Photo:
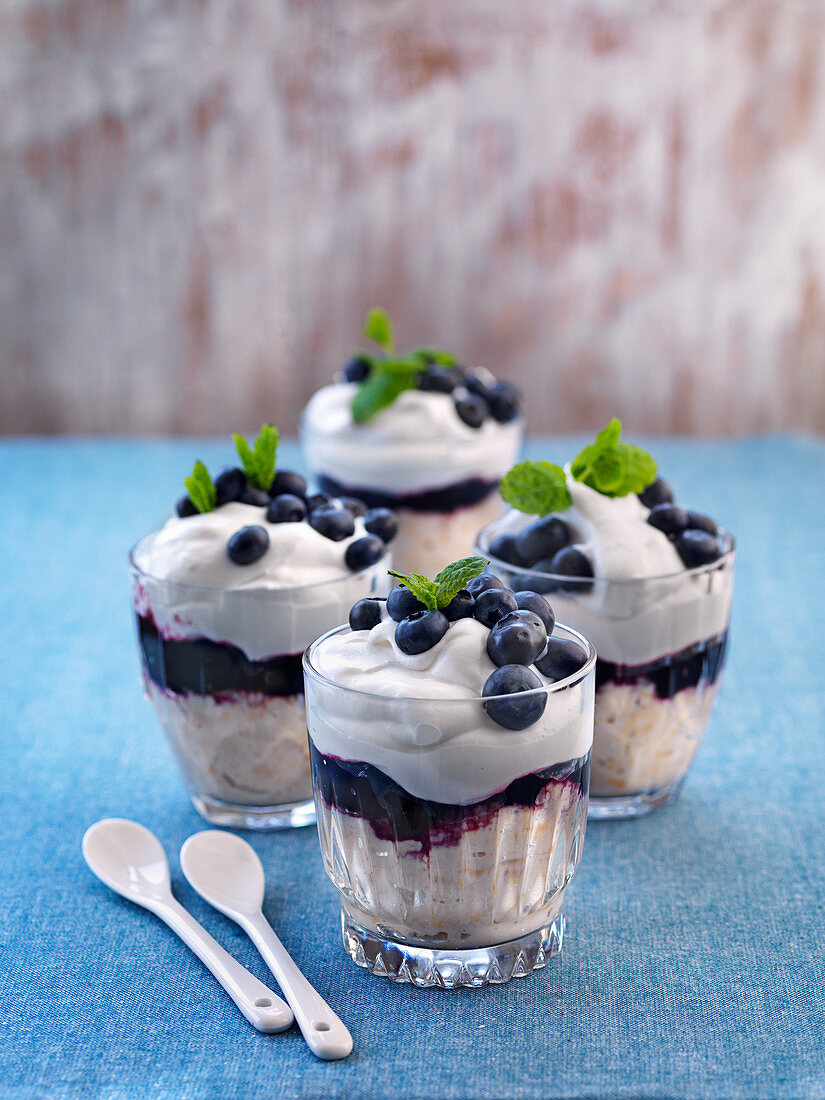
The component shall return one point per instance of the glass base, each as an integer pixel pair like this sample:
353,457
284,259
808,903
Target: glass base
448,969
292,815
618,807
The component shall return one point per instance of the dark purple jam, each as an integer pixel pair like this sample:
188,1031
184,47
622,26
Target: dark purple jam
203,667
450,498
361,790
701,663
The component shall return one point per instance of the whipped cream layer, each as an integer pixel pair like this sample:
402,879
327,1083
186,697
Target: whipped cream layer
644,604
300,588
418,443
423,723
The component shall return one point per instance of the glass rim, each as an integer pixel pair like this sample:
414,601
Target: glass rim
560,685
571,582
257,590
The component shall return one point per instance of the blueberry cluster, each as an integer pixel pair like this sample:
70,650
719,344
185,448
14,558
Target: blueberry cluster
477,393
546,546
696,537
520,624
288,501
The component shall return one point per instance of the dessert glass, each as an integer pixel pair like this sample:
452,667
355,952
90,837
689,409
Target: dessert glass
236,726
661,644
438,893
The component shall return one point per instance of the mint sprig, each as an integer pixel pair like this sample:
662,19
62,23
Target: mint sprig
437,593
536,487
613,467
378,328
259,460
390,374
201,489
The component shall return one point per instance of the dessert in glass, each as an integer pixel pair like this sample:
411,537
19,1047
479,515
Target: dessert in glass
227,595
650,584
421,436
450,761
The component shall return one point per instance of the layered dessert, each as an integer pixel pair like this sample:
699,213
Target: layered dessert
228,594
450,734
649,583
420,435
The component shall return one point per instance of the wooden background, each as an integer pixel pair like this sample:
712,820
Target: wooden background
619,203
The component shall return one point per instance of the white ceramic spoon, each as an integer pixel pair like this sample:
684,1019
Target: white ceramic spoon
227,873
129,859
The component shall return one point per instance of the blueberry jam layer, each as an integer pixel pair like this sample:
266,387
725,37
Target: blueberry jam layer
701,663
203,667
450,498
359,789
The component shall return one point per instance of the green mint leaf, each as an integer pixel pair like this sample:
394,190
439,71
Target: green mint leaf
259,461
613,467
538,488
379,391
434,355
454,577
200,488
378,328
641,468
421,587
266,447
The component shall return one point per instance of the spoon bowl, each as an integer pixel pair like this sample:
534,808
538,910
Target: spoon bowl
225,870
128,858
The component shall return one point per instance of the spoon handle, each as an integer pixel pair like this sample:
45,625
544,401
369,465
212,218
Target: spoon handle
326,1035
264,1009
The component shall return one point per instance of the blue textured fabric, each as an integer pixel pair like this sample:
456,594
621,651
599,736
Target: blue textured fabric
695,961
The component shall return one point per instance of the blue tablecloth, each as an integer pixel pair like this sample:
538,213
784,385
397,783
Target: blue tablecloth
695,962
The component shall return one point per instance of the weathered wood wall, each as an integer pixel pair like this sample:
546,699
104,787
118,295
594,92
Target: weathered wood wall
618,203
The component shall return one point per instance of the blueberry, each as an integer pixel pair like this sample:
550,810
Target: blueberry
332,521
517,639
533,582
505,702
697,548
357,369
229,485
504,548
658,492
698,522
471,408
286,508
482,582
287,481
420,631
572,562
364,552
533,601
401,603
460,606
438,379
354,506
251,495
381,522
185,507
668,518
479,381
504,401
542,539
493,604
562,659
365,614
319,500
247,545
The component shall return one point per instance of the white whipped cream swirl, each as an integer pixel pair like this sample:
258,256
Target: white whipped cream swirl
419,718
416,444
